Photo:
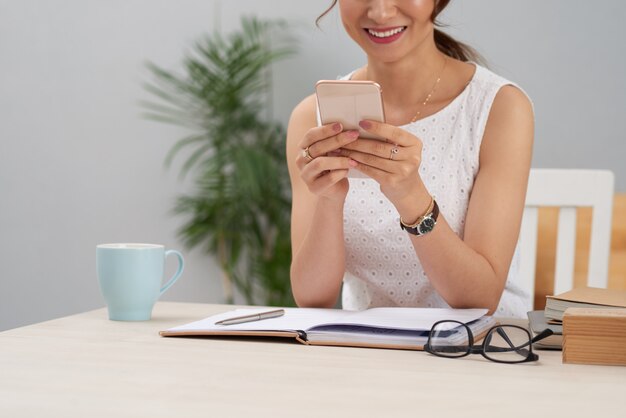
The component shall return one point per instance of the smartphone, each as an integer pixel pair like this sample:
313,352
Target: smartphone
349,102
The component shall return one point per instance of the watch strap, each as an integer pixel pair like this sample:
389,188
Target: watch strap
428,211
424,223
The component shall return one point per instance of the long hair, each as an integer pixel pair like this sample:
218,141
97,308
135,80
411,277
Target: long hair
444,42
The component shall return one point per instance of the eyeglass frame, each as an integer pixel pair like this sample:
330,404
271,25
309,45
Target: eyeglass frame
480,348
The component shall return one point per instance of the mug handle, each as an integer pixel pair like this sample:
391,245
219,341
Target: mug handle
181,266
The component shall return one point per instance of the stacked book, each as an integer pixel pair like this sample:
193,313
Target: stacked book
556,306
593,325
583,297
594,336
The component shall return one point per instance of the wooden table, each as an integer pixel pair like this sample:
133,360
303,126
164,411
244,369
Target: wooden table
87,366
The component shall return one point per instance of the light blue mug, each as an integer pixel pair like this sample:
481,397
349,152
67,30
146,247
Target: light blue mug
130,277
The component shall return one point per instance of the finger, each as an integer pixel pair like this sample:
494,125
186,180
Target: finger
318,133
320,165
371,160
380,176
378,148
392,133
399,172
333,143
302,160
321,148
327,180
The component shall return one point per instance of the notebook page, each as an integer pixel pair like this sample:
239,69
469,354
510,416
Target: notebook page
410,318
294,319
390,336
307,318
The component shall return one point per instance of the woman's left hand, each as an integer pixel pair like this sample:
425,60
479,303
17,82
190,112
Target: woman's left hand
393,164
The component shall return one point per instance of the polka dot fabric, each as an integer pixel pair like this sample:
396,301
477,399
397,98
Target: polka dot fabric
382,268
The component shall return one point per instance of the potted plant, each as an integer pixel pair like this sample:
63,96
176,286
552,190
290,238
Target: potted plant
239,210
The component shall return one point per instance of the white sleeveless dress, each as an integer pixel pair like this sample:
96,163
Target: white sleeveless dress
382,268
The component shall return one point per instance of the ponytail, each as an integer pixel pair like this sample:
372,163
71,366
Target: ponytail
455,49
446,43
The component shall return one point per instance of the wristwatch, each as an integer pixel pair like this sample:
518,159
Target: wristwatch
424,223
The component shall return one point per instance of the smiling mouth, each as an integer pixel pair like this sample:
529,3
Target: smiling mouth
388,33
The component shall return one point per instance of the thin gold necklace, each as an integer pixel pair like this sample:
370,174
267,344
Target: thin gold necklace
432,91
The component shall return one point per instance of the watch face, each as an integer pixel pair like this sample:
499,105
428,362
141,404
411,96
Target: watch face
426,226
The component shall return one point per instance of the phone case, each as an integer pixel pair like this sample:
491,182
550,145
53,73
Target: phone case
349,102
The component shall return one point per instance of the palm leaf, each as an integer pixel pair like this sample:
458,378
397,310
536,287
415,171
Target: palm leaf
239,207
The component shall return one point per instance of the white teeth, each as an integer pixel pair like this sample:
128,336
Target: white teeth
386,33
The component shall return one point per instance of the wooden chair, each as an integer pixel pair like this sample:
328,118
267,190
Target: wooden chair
568,189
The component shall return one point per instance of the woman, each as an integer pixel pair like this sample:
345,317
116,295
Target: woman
459,142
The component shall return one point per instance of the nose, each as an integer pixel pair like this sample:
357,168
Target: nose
381,11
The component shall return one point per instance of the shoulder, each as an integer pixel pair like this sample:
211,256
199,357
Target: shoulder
505,93
305,111
511,105
303,117
498,99
510,123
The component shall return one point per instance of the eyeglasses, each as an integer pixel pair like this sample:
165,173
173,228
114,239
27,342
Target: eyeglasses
502,343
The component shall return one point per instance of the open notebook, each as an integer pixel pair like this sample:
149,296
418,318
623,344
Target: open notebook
401,328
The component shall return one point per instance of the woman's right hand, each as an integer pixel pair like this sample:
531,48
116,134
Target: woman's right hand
321,167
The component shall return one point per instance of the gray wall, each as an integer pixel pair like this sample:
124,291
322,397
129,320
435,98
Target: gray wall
79,166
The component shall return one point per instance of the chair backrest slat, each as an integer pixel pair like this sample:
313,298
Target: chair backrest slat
565,250
600,243
568,189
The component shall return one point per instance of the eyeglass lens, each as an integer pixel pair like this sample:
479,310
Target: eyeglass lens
449,339
507,343
503,343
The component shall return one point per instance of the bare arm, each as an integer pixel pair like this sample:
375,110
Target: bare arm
319,187
471,272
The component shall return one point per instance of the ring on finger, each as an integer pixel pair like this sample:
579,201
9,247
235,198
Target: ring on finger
306,154
393,151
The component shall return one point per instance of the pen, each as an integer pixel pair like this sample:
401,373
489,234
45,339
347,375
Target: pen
254,317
